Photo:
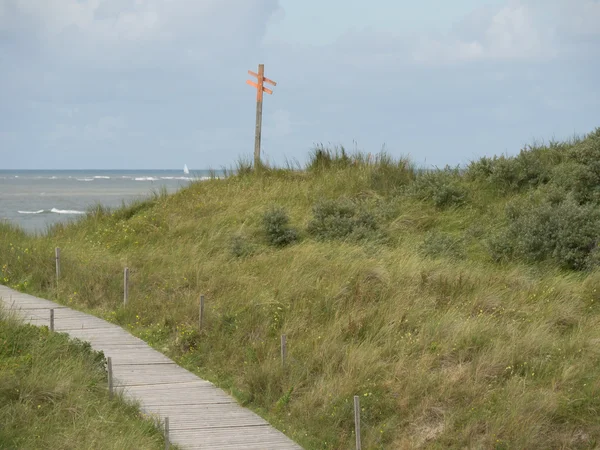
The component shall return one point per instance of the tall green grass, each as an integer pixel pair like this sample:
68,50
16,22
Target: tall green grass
420,291
53,395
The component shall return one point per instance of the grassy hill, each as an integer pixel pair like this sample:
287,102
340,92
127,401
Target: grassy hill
461,305
53,395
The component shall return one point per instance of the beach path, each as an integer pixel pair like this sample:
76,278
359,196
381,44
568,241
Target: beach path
201,416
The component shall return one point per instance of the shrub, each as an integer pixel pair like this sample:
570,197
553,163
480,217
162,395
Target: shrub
480,169
275,222
566,233
441,187
587,151
579,179
560,220
530,168
336,219
577,234
500,246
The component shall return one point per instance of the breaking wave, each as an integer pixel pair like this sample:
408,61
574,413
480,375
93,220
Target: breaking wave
53,210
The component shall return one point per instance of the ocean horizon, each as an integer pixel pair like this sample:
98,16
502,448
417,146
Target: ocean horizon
37,199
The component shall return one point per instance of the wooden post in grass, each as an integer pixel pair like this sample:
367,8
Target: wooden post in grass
125,285
51,319
283,349
57,261
260,88
357,421
110,377
167,441
201,319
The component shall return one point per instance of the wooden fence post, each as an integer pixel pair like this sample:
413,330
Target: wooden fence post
57,262
51,319
201,312
283,349
125,285
357,421
167,439
110,377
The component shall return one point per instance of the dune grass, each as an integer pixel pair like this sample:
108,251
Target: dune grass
437,296
53,395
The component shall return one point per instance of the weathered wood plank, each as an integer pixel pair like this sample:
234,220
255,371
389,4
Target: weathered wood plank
255,438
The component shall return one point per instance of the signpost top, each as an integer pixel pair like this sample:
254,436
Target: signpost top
265,79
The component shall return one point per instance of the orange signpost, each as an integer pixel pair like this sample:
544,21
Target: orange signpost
260,88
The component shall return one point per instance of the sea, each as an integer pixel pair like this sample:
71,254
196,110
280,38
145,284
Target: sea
37,199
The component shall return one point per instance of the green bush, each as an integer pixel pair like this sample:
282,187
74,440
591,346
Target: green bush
530,168
579,179
500,246
279,234
337,219
441,187
566,233
587,151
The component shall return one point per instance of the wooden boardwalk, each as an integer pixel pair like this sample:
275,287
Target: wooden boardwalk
201,416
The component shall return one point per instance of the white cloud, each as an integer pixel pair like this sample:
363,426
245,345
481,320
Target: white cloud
517,31
108,33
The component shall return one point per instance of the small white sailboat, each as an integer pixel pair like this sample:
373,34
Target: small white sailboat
185,169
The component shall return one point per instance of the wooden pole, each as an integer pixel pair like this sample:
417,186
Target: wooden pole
283,349
52,320
260,88
110,376
167,440
357,421
201,312
259,103
125,285
57,260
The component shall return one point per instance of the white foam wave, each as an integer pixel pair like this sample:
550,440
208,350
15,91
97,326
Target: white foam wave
101,177
66,211
31,212
84,179
146,179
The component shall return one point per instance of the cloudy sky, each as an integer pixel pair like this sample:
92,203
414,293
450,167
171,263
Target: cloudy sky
127,84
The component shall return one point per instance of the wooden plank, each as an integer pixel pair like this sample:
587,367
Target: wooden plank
265,79
259,438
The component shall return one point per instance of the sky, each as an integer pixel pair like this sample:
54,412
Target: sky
156,84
